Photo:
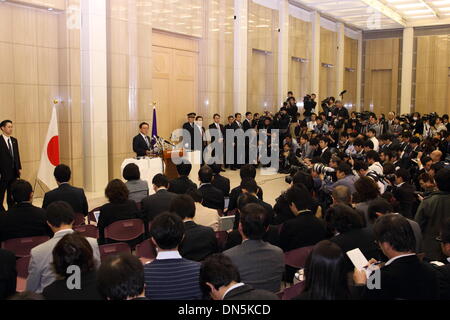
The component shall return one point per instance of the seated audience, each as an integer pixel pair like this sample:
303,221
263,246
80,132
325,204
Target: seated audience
119,208
345,177
23,219
170,276
404,192
159,202
60,218
432,213
404,276
199,242
342,195
121,277
220,280
246,172
66,192
73,250
8,274
325,274
260,264
305,229
367,191
213,198
182,184
203,216
138,188
219,181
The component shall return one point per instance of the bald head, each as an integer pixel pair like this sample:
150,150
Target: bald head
342,195
436,156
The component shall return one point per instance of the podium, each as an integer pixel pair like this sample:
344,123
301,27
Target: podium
170,168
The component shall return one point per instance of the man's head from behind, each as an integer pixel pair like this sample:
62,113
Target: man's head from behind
299,198
247,171
62,174
394,235
254,222
443,180
21,191
160,181
342,195
183,206
60,216
205,174
444,237
184,169
121,277
378,208
167,231
217,274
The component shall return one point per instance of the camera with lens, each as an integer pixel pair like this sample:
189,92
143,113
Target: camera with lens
293,171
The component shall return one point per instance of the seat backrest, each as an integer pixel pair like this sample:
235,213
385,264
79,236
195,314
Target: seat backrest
88,231
222,237
112,249
125,230
297,258
294,291
21,247
22,267
146,250
79,219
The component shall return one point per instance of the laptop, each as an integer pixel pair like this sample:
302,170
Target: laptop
226,223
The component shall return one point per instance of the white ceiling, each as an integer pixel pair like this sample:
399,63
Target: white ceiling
383,14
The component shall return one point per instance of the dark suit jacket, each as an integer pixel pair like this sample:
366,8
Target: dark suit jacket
271,236
140,147
8,274
444,281
213,198
22,221
181,185
222,183
236,193
58,290
156,204
406,198
247,292
9,167
303,231
189,141
212,126
406,278
260,264
325,157
67,193
113,212
246,125
199,242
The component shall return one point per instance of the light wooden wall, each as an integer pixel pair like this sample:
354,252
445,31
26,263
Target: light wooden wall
36,66
299,47
381,75
432,77
262,36
328,55
350,77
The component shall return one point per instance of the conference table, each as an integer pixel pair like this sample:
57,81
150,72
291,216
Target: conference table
151,166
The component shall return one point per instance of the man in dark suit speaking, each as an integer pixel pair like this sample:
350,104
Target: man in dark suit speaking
142,143
10,166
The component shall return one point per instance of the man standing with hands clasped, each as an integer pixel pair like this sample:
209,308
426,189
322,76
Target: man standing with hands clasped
10,166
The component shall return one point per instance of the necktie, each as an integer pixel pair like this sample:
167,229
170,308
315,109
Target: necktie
147,141
10,148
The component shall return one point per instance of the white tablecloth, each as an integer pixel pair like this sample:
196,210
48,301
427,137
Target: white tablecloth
148,168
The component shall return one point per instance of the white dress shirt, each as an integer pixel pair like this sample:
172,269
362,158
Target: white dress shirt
398,257
168,255
237,285
8,141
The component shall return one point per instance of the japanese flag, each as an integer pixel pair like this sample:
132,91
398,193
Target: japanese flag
50,154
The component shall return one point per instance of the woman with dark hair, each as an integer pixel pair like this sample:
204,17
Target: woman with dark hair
347,228
325,275
118,208
138,188
368,191
75,269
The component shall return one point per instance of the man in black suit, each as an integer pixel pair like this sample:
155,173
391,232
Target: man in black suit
404,193
246,172
189,130
305,229
23,219
159,202
220,182
213,198
228,127
182,184
8,274
404,276
217,130
65,192
142,142
325,155
220,280
10,165
238,128
199,242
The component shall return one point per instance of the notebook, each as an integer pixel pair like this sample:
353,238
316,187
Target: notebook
226,223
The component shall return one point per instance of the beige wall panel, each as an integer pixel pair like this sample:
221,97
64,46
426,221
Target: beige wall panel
56,4
6,67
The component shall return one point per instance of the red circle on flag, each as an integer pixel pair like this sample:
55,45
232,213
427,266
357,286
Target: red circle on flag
53,151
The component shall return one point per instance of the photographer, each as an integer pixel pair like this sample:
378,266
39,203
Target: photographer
309,104
328,107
